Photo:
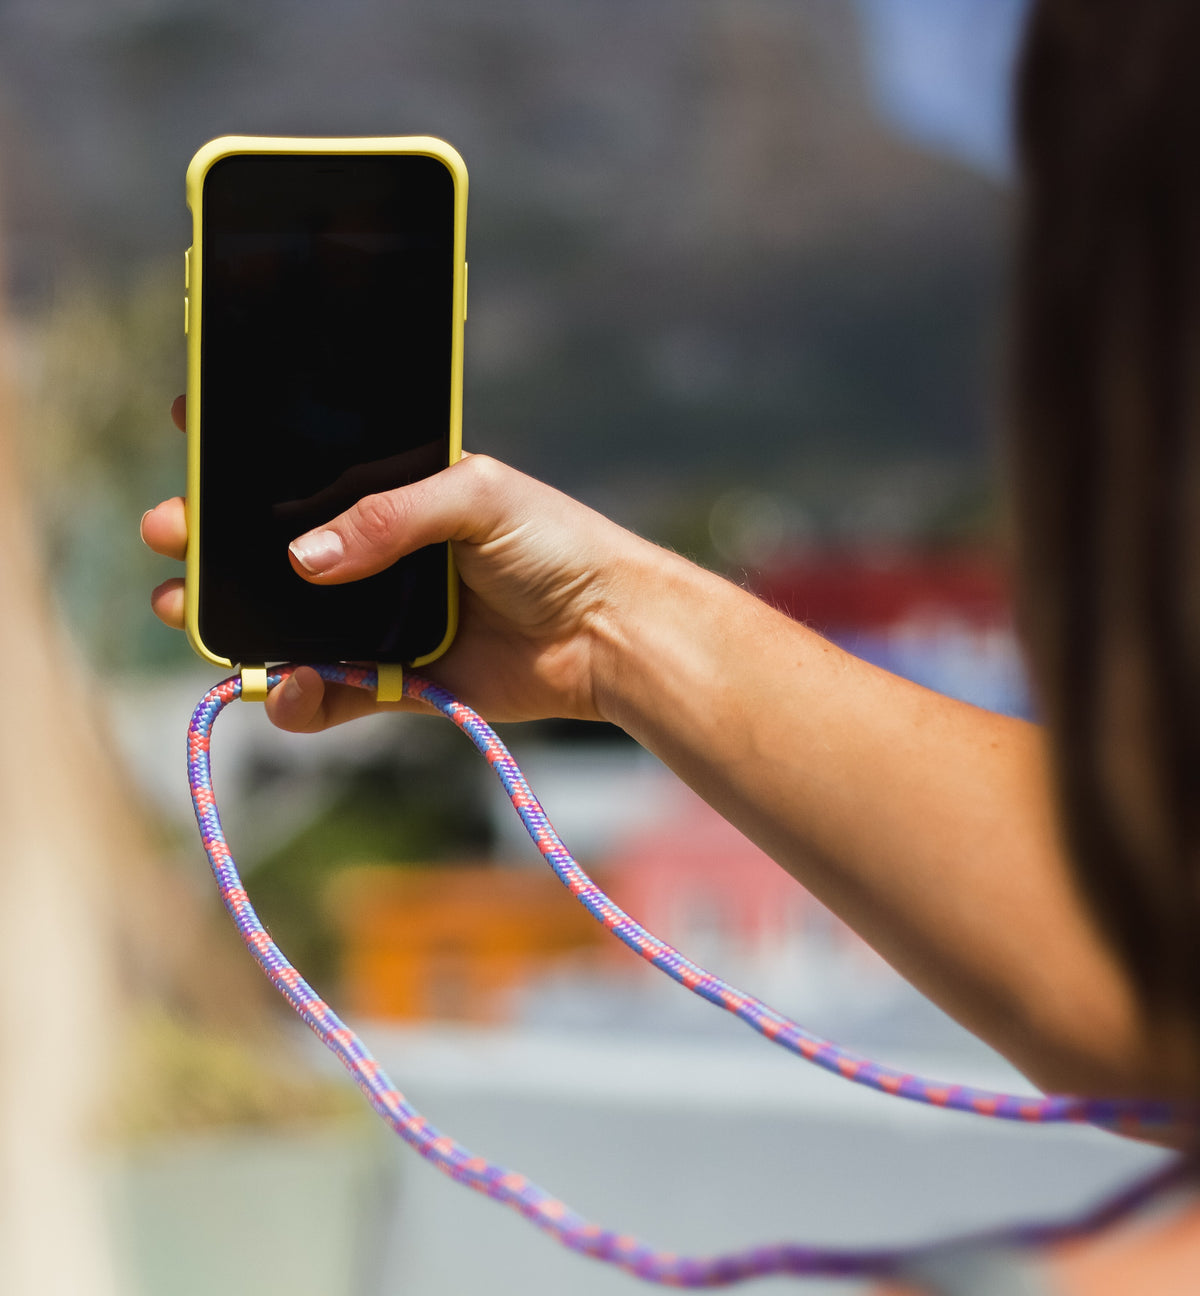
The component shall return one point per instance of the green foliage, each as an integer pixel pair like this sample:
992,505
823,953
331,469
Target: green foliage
99,366
381,815
177,1077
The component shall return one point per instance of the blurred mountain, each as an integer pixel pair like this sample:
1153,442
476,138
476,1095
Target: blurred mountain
697,255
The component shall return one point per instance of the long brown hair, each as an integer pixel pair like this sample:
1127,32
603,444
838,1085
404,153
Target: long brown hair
1106,444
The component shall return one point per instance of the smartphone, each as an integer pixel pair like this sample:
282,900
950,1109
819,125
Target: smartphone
324,309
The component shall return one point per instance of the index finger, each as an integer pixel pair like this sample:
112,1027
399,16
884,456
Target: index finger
305,703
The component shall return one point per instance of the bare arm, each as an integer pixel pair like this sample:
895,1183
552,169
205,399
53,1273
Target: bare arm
925,823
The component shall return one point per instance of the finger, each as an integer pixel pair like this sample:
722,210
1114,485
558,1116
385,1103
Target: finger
179,412
164,528
305,703
463,502
167,601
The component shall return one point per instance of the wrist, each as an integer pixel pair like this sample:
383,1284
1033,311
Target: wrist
659,640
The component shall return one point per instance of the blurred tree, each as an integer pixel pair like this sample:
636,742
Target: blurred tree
99,365
91,925
58,953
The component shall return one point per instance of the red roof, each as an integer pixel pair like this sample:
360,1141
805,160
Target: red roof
880,590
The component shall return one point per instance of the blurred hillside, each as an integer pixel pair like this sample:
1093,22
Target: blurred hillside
698,258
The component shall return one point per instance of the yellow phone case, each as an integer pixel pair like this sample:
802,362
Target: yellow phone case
206,156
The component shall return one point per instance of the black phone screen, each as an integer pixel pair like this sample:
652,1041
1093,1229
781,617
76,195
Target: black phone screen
326,345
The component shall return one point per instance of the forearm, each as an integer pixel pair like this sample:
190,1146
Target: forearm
926,824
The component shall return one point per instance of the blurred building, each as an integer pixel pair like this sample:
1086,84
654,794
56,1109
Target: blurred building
941,619
454,943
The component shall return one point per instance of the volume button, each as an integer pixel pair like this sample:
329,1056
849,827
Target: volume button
185,314
187,268
466,267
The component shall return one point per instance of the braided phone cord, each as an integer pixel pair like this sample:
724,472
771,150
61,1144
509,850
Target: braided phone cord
533,1202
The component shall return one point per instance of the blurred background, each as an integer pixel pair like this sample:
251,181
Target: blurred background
737,279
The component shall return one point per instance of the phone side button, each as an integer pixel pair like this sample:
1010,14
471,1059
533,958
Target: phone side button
187,268
185,314
466,267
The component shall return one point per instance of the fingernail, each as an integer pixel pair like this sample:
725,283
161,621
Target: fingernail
318,551
293,689
142,523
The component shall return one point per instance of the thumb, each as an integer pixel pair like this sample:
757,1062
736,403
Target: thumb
463,502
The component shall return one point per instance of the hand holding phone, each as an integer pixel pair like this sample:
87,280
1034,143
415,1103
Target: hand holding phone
538,568
547,586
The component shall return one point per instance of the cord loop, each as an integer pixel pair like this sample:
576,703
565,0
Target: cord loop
538,1206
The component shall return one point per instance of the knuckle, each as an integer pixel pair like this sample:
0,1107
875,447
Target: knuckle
375,520
488,481
484,470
